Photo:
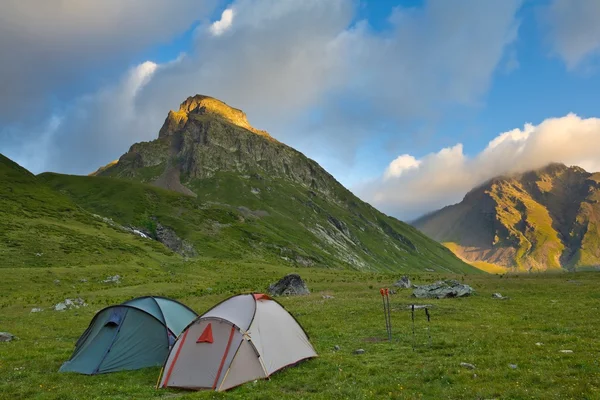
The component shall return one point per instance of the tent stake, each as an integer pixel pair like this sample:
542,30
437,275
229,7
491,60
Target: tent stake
412,309
428,325
387,298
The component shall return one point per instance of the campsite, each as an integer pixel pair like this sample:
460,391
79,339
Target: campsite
556,311
300,199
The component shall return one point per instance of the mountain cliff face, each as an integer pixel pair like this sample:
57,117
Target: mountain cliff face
282,204
539,220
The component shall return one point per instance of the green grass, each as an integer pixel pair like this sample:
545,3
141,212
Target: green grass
487,333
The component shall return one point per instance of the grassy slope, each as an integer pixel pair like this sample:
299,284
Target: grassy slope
42,228
216,227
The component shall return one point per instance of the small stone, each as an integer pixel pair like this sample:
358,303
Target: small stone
112,279
497,296
429,270
6,337
539,344
566,351
57,281
359,351
336,348
512,366
474,376
467,365
327,297
36,309
83,280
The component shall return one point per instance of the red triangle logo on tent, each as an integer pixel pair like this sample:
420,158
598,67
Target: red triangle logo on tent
206,336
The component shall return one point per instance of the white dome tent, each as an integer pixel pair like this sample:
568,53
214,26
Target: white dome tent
243,338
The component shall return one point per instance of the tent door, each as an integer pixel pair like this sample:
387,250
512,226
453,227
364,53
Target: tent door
197,364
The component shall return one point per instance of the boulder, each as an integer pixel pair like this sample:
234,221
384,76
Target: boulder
289,285
443,289
6,337
403,283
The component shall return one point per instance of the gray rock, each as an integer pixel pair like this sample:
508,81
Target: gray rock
499,296
443,289
359,351
83,280
289,285
467,365
57,281
327,297
36,309
566,351
403,283
169,238
69,304
112,279
512,366
6,337
336,348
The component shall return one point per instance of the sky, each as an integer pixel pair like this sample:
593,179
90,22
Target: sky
410,104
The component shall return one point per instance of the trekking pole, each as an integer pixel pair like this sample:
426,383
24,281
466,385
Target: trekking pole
387,326
387,298
428,325
413,325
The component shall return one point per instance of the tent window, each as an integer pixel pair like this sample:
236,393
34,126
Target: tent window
116,317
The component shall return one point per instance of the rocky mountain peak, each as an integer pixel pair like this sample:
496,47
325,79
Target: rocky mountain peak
201,105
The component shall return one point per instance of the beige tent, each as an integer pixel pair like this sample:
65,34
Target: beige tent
246,337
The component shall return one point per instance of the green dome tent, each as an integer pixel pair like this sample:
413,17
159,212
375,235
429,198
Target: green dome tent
136,334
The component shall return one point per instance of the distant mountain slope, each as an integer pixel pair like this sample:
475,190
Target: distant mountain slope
40,227
539,220
280,203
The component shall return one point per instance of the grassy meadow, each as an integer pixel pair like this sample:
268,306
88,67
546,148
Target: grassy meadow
559,311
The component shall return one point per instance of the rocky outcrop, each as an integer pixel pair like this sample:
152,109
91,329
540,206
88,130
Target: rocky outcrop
169,238
442,289
289,285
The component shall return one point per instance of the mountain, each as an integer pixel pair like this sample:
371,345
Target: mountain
235,192
539,220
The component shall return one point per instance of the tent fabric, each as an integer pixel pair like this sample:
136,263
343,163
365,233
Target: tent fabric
132,335
253,337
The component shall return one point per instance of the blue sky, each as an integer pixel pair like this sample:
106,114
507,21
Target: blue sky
398,99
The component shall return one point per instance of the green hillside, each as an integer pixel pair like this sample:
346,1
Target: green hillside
540,220
40,227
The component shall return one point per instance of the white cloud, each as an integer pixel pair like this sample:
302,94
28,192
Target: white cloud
401,164
443,178
55,49
574,30
220,26
301,71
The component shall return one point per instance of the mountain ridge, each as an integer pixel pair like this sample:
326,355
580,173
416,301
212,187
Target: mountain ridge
535,220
